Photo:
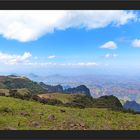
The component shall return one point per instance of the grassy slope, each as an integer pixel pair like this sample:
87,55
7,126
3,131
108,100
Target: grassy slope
73,118
11,82
64,98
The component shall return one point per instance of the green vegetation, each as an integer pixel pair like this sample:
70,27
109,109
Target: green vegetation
30,115
26,105
108,102
82,101
68,100
14,82
64,98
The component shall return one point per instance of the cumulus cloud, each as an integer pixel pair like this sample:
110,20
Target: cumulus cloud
136,43
108,55
109,45
51,56
30,25
14,59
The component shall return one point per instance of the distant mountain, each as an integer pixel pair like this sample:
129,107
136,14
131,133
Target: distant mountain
66,87
133,105
33,75
82,89
79,89
50,89
123,87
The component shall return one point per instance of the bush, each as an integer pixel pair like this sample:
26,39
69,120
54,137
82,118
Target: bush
51,101
2,94
47,101
14,93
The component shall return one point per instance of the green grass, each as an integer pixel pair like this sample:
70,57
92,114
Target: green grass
64,98
70,119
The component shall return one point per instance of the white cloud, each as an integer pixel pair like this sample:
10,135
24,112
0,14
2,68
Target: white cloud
14,59
109,45
30,25
88,64
136,43
108,55
51,56
47,64
84,64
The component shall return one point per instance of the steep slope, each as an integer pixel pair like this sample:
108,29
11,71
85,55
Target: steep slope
17,82
49,88
108,102
82,89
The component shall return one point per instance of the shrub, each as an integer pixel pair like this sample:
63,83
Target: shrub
2,94
14,93
47,101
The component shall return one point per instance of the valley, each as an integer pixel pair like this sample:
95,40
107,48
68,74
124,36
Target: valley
30,105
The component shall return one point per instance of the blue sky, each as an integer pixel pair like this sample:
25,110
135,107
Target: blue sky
70,42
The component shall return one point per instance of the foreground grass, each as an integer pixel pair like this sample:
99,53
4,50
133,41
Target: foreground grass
29,115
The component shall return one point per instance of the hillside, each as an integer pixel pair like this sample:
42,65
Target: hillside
108,102
17,114
24,88
79,100
18,82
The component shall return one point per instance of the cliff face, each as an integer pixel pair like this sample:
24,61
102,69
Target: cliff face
51,89
82,89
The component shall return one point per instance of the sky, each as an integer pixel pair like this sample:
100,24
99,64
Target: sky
66,42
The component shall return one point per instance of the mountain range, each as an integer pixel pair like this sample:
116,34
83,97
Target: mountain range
123,87
24,86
